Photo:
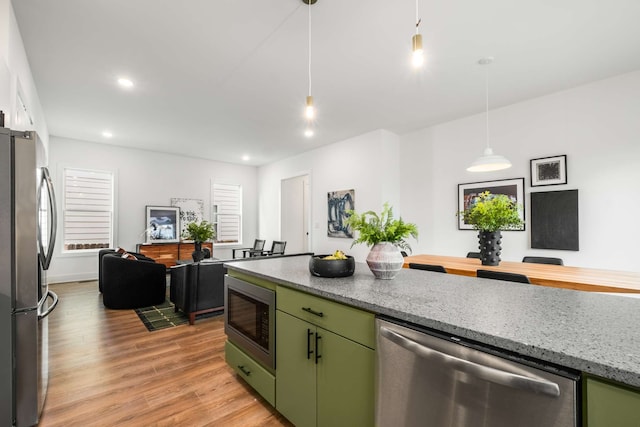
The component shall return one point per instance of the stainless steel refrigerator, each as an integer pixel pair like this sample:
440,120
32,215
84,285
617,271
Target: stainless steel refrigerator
27,239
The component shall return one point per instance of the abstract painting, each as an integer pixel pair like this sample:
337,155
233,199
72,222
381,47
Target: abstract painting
338,203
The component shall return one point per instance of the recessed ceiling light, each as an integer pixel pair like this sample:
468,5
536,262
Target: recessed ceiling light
107,134
245,158
125,82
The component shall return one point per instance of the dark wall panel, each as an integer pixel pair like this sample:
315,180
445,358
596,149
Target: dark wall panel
554,220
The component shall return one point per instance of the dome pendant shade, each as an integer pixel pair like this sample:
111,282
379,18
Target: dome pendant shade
489,162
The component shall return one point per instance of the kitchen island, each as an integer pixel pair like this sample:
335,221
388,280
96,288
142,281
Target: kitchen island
589,332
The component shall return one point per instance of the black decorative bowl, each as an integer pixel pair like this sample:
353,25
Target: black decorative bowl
331,267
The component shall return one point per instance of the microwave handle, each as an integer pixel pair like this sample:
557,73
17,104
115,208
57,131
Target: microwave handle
486,373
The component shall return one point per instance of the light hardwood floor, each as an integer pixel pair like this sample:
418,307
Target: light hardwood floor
106,369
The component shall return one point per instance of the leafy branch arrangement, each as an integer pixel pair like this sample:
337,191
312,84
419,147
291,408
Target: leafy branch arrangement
493,212
374,228
199,232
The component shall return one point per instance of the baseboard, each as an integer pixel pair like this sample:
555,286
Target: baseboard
76,277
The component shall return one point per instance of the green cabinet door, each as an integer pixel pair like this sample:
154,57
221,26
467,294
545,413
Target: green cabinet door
295,370
345,382
610,405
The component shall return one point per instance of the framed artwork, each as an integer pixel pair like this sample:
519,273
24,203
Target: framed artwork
554,220
191,210
467,194
338,202
549,171
162,224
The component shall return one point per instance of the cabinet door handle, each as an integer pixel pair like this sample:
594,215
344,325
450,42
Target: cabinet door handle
310,310
244,370
309,351
318,356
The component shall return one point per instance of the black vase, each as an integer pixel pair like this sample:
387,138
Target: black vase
198,254
490,247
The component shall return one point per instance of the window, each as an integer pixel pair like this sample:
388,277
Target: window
88,209
226,213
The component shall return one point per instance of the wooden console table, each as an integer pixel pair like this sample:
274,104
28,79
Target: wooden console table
558,276
169,253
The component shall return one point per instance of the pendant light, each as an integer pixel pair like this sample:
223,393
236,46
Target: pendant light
309,110
417,58
488,161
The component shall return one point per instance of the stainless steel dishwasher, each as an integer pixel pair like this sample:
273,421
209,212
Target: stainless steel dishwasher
430,379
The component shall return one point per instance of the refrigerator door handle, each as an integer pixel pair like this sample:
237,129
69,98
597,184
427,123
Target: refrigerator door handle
54,297
46,258
487,373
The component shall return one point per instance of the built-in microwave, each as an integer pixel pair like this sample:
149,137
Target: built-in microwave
250,319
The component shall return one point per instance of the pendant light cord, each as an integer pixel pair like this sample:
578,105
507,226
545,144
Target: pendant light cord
309,10
486,87
418,20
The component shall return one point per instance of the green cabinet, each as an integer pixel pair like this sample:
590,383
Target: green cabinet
609,404
322,377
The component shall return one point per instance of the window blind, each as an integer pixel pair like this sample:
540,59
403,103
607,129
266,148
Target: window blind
88,209
227,213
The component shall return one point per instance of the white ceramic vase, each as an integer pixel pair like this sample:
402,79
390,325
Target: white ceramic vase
385,260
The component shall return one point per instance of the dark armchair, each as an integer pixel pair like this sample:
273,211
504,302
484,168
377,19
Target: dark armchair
119,252
131,283
197,288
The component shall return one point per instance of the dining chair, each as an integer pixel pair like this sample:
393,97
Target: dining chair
427,267
277,248
501,275
543,260
258,246
473,255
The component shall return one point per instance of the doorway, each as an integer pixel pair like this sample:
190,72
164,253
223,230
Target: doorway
294,213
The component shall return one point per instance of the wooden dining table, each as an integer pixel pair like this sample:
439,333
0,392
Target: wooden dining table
558,276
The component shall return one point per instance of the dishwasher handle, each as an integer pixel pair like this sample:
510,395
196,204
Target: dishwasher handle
487,373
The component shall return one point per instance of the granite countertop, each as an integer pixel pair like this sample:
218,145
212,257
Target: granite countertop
590,332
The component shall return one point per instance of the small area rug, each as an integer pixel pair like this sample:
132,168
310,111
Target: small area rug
164,316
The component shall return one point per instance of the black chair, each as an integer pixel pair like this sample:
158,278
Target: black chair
119,251
499,275
473,255
543,260
197,288
256,250
132,283
428,267
277,248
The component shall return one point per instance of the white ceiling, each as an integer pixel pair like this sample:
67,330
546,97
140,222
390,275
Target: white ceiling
222,78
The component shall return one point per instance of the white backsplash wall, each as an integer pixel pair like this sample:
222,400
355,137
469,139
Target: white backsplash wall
144,178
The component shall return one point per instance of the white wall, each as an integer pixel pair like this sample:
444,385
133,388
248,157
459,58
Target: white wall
144,178
597,126
368,163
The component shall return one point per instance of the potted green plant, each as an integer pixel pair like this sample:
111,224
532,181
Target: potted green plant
199,233
489,214
386,236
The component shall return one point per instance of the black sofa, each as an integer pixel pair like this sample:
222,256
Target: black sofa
199,287
130,283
